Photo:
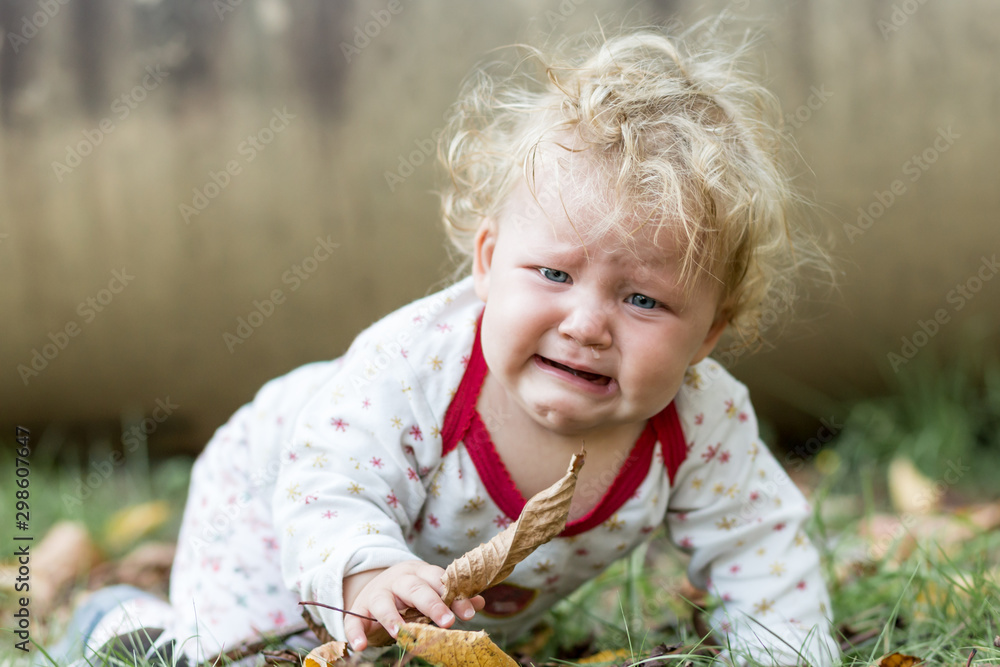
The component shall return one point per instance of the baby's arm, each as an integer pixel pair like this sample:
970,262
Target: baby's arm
382,594
351,489
741,518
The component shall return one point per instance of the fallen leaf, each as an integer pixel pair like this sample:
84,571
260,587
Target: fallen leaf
146,567
536,641
543,517
128,526
606,656
984,517
65,554
899,660
885,535
331,653
911,491
452,648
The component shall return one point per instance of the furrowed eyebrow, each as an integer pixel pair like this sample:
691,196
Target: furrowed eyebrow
564,253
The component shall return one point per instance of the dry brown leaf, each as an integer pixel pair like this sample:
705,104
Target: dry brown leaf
452,648
984,517
65,554
146,567
543,517
899,660
331,653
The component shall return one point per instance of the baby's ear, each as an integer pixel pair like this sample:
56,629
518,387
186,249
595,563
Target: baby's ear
712,338
482,257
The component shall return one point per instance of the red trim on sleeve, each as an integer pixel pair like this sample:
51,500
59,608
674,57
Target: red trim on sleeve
463,424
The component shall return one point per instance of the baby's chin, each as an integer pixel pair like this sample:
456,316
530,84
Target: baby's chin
575,422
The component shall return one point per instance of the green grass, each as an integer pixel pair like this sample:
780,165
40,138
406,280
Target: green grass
59,490
939,603
936,411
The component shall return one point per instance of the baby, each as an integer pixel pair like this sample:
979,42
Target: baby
621,212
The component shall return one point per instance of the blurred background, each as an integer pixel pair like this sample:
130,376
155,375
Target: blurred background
167,166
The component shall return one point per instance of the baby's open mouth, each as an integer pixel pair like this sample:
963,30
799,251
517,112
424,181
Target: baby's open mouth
601,380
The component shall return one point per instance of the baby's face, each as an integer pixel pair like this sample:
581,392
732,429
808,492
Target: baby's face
585,333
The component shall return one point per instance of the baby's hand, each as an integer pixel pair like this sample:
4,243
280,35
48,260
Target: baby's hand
382,594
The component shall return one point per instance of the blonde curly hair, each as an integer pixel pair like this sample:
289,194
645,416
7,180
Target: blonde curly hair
687,140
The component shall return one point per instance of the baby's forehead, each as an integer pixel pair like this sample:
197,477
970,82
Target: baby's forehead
570,195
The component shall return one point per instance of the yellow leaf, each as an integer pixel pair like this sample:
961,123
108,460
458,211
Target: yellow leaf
131,524
330,653
452,648
899,660
911,491
606,656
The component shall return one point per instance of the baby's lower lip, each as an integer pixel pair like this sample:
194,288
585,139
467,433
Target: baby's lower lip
593,379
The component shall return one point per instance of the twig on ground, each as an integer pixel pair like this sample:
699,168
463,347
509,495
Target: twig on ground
281,656
859,638
253,648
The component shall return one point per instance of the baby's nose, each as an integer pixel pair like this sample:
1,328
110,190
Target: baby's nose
588,326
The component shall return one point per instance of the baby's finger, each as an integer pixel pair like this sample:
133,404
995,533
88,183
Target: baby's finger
419,594
464,609
356,631
383,609
467,608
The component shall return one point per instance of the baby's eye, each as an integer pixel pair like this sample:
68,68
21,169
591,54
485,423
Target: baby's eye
555,275
641,301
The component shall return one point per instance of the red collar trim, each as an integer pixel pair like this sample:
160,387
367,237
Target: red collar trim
463,424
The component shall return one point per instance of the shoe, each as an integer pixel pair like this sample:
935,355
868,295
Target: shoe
70,649
124,650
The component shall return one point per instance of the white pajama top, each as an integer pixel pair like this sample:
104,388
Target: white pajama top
384,458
